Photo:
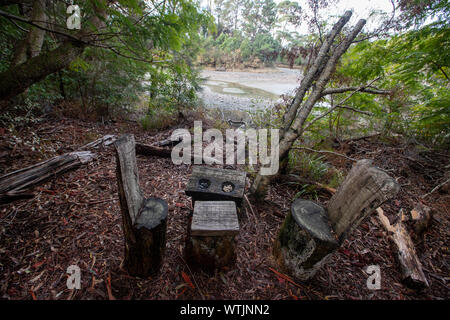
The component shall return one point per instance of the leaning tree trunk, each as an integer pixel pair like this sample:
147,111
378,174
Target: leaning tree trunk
317,78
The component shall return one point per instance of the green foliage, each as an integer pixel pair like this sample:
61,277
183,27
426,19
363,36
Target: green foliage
310,165
157,39
415,67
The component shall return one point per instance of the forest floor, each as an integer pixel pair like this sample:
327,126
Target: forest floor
75,219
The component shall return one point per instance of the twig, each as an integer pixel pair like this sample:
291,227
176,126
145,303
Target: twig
250,206
326,151
330,110
436,188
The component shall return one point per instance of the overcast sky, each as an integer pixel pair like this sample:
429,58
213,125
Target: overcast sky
361,9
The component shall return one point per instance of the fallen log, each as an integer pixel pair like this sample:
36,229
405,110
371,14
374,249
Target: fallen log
13,185
103,141
411,268
147,150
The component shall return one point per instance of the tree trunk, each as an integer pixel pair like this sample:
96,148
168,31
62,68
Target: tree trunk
19,77
144,220
305,240
13,184
319,75
32,44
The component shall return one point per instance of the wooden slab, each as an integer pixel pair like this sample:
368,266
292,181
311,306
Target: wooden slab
214,191
214,218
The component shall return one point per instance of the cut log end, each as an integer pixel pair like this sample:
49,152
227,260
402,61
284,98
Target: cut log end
152,214
305,240
143,257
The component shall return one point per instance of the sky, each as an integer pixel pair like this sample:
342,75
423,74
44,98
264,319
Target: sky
361,10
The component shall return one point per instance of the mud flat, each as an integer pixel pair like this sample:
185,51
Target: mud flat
244,91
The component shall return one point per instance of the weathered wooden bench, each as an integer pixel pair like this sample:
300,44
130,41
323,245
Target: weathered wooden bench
211,241
310,233
144,220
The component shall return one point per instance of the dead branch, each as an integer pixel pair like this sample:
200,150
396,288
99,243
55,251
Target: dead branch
325,151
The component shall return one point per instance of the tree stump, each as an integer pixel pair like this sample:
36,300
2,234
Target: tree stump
144,220
213,184
305,240
364,189
310,233
211,241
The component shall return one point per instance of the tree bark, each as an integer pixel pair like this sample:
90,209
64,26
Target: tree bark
19,77
364,189
319,62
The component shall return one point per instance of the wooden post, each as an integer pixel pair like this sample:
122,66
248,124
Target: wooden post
144,220
364,189
305,240
211,239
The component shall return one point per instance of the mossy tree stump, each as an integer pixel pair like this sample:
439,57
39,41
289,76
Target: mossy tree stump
211,241
305,240
144,220
310,233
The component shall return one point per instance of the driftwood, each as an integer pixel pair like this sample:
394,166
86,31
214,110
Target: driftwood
103,141
14,185
144,220
411,268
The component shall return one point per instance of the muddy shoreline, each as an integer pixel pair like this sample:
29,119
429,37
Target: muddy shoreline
244,91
